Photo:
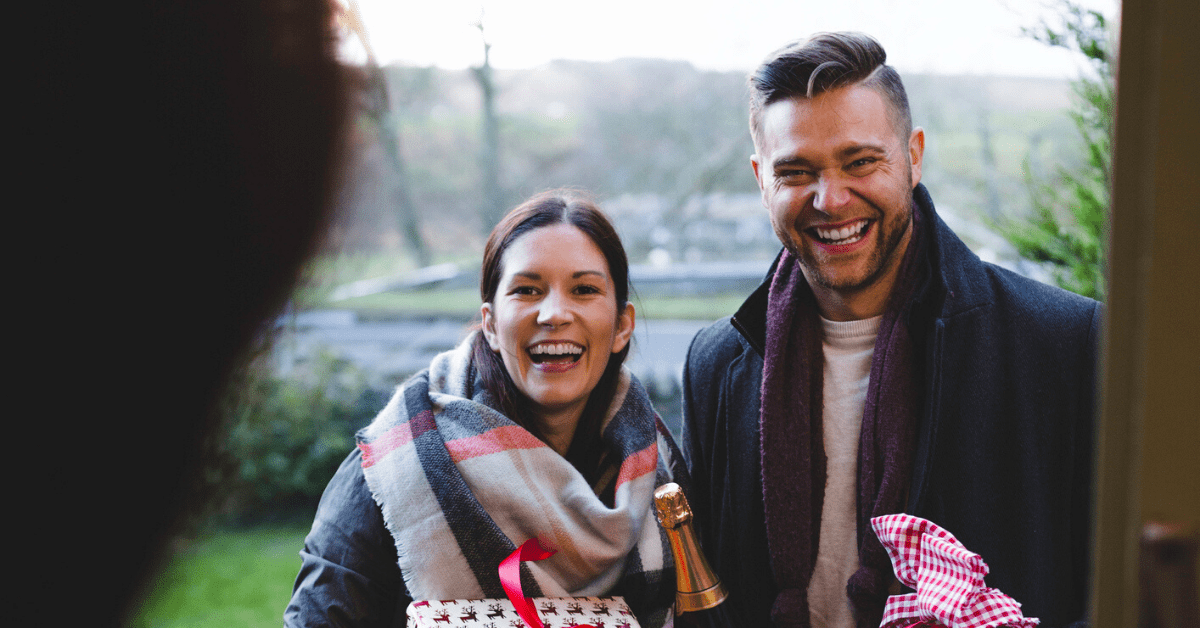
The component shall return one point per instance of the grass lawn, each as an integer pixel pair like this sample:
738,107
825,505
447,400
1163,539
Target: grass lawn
227,579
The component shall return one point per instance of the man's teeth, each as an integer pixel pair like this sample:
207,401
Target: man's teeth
556,349
834,235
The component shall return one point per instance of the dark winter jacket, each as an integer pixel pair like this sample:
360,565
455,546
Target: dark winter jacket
1004,447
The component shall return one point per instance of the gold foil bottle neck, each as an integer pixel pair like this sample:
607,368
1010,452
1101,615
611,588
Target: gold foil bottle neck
672,506
696,585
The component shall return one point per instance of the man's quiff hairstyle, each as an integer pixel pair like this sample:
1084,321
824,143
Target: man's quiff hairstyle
826,61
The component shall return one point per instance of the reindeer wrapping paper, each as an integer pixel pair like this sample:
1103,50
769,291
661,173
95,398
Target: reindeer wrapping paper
555,612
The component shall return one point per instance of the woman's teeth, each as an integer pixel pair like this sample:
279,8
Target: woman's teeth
555,351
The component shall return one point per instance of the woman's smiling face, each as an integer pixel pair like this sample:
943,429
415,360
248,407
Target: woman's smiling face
554,319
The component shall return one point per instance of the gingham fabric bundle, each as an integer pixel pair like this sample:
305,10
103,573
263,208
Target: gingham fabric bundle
947,577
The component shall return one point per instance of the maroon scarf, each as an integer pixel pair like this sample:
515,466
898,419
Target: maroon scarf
793,451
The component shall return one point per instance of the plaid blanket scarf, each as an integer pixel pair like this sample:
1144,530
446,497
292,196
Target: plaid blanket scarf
461,486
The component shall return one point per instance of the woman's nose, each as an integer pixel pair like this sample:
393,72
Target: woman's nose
554,310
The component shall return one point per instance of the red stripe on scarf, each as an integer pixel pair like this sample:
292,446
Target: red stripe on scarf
638,464
508,437
392,440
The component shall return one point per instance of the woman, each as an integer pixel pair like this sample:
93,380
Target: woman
530,428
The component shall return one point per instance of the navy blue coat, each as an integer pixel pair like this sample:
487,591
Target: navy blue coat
1004,452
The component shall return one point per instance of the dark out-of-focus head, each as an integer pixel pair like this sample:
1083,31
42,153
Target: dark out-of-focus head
823,62
218,152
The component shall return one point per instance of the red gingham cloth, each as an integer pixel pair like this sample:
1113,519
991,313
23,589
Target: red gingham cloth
947,577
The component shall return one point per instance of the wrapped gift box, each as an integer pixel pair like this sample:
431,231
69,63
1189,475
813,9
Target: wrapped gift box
555,612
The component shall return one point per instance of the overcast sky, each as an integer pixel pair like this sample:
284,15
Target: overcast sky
939,36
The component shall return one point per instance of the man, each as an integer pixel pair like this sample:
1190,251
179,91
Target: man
881,368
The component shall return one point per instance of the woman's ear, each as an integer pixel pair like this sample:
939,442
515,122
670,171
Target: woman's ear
625,324
489,327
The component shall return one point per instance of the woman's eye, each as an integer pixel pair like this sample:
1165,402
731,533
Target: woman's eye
586,289
525,290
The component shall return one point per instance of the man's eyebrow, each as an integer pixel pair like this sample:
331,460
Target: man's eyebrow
789,162
862,148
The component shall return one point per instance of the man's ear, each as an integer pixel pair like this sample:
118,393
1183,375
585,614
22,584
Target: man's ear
916,152
757,165
625,324
489,327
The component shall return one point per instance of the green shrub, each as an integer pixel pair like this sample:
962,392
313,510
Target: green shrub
281,439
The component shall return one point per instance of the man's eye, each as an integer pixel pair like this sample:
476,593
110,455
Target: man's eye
859,164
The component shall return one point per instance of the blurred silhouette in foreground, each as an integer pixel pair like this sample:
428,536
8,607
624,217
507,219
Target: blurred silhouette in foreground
186,154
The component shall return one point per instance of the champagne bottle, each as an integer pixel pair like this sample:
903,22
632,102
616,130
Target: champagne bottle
699,594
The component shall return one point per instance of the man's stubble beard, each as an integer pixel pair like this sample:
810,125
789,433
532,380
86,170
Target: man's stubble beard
881,255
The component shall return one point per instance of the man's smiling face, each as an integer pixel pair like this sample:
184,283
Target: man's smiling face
837,180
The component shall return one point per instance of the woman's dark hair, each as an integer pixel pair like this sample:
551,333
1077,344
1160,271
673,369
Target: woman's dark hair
550,208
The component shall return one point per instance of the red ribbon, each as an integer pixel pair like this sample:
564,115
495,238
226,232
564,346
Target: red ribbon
510,579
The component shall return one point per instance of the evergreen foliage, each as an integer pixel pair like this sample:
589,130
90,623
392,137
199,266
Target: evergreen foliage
1068,229
281,439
